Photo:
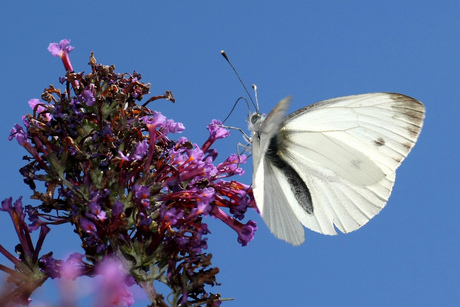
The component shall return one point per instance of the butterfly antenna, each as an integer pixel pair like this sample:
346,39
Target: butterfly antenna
234,105
254,87
239,78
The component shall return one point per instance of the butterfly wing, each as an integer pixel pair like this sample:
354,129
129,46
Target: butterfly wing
274,204
342,154
267,181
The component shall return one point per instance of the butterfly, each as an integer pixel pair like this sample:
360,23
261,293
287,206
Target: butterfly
331,164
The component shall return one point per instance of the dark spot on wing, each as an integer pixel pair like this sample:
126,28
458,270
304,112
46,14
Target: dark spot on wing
379,142
298,186
356,163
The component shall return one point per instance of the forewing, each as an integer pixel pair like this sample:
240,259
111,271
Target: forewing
347,150
362,138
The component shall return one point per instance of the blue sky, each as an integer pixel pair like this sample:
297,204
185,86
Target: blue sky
408,255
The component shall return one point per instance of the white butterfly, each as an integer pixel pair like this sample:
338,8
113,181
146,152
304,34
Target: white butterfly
332,163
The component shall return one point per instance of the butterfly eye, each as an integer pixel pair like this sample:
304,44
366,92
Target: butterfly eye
255,118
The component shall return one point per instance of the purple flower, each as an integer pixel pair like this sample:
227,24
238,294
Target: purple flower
7,205
112,287
40,108
141,194
71,269
173,127
157,119
204,200
62,50
141,150
63,47
144,220
123,157
96,210
209,168
216,130
178,157
18,133
195,155
141,191
51,266
246,233
88,226
25,121
117,209
230,166
88,96
240,209
172,215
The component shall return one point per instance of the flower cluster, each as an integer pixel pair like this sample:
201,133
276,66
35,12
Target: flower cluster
110,169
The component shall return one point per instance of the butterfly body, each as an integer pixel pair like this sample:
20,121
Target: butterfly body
331,164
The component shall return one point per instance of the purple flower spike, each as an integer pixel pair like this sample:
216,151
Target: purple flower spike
134,192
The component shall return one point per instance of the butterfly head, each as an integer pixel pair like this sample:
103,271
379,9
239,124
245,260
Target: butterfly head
255,120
